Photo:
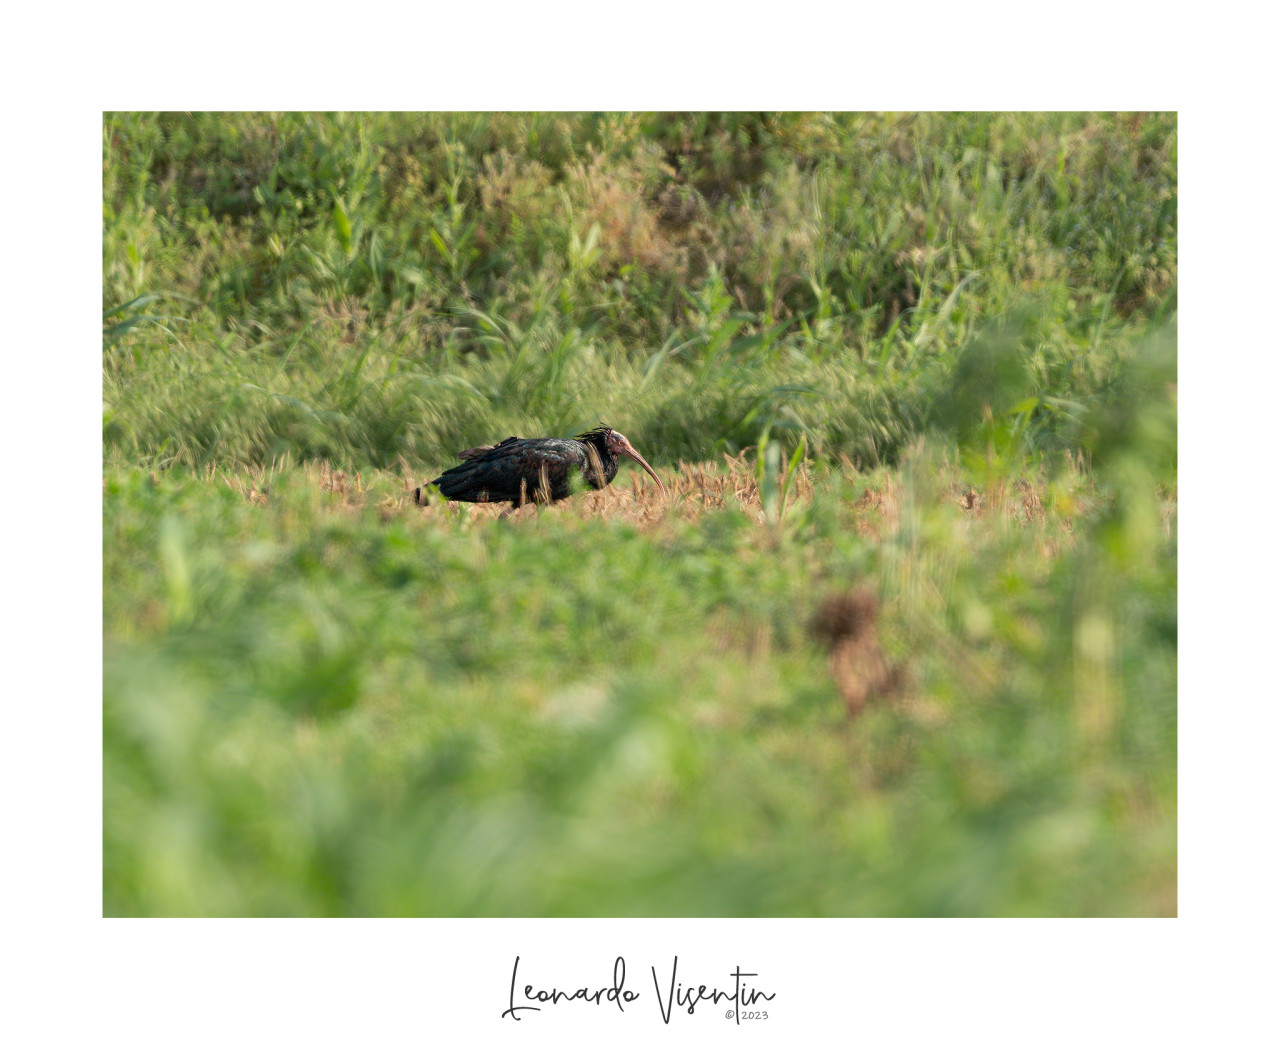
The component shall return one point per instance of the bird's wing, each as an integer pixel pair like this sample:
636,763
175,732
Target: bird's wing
475,452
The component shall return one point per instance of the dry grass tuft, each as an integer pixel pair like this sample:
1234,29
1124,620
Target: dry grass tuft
847,624
876,511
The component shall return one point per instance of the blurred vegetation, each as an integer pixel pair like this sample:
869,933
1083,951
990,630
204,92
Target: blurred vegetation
366,288
947,344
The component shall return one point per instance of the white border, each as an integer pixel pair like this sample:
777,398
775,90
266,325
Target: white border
871,989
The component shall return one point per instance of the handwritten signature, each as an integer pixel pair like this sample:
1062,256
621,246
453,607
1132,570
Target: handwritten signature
677,995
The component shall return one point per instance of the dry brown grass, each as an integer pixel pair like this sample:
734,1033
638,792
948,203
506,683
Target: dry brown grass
692,490
696,489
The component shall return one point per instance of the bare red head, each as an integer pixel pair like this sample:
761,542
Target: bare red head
619,445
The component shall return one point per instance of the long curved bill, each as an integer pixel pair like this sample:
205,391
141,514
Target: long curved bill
631,452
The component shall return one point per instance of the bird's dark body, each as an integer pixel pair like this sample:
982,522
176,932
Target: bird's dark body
528,470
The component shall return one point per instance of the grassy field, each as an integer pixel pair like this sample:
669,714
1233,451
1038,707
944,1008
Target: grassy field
901,638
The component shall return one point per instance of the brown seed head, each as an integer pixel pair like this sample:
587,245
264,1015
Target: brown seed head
845,616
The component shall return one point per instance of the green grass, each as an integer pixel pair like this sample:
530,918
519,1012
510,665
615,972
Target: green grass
321,700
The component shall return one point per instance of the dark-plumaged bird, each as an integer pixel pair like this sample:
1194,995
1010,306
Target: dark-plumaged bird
536,470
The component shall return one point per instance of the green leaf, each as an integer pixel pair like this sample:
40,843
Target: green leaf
799,453
342,224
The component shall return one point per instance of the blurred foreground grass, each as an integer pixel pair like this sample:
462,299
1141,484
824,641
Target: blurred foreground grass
320,700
